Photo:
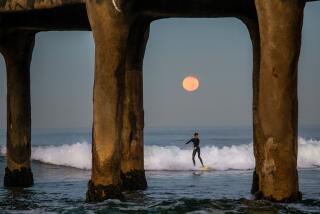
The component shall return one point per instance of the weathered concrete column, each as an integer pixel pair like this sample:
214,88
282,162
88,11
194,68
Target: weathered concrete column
132,164
16,47
110,27
280,24
253,28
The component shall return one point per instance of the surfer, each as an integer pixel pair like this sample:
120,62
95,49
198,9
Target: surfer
196,148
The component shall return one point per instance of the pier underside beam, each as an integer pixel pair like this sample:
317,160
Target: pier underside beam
280,24
17,47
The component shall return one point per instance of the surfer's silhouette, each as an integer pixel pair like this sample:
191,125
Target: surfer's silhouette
196,147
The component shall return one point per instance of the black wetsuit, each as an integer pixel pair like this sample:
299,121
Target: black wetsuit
196,149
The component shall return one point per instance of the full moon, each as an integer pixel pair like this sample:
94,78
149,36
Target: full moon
190,83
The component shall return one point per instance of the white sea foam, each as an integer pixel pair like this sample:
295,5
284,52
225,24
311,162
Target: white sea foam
308,153
3,150
241,157
174,158
76,155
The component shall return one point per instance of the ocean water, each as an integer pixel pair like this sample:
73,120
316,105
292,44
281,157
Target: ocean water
62,162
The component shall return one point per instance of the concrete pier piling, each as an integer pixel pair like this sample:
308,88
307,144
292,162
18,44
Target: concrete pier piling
253,29
132,162
110,32
16,47
280,25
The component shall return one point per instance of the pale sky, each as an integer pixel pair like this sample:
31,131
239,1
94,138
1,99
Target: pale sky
217,51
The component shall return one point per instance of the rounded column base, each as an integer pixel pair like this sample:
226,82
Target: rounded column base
97,193
18,178
134,180
293,198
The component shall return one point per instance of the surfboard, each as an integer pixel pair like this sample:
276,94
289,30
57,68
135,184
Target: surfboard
200,170
205,168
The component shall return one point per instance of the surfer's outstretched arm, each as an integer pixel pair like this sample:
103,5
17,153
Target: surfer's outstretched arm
189,141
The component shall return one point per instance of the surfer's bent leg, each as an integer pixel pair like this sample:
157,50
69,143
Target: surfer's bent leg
198,150
193,155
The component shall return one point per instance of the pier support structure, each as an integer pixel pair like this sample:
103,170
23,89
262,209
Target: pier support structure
110,28
132,162
280,24
17,47
120,31
253,29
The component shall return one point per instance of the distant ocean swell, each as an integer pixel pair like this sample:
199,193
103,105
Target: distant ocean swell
239,157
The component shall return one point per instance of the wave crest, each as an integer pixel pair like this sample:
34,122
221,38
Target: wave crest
239,157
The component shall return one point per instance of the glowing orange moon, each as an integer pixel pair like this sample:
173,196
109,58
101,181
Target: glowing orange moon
190,83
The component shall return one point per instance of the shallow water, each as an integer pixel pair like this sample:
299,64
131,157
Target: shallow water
61,189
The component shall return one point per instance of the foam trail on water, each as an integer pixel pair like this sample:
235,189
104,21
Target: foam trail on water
174,158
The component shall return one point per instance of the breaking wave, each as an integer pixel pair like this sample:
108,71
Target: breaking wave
239,157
